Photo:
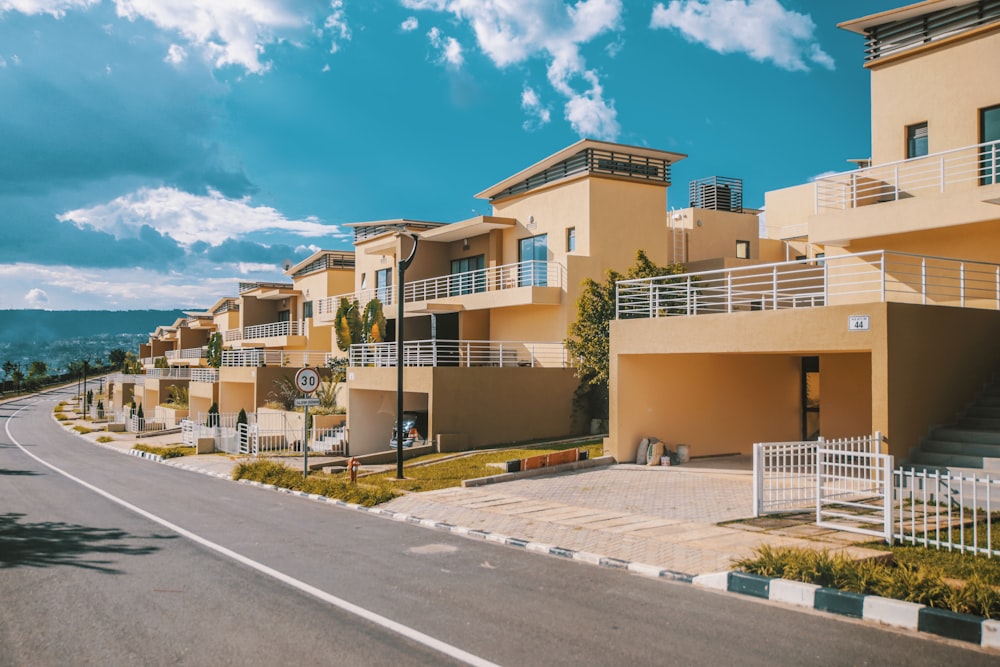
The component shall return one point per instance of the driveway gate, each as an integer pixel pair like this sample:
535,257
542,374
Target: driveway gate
854,492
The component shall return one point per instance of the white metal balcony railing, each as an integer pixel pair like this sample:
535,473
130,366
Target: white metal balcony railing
507,276
938,172
187,353
462,353
270,330
858,278
126,378
205,375
169,373
255,357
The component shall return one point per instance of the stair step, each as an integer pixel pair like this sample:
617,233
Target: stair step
963,448
955,434
987,411
989,400
979,423
935,458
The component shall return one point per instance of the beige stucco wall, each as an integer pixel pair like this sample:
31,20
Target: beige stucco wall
713,234
917,366
944,86
201,396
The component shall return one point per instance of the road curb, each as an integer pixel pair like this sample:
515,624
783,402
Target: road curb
885,611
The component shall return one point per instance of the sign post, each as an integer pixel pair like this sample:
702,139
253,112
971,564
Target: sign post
306,381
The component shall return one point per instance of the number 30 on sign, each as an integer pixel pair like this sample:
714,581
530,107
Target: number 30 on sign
858,323
306,380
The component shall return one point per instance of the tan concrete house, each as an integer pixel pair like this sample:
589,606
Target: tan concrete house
488,300
886,316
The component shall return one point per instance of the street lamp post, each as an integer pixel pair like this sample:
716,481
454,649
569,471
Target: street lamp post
400,318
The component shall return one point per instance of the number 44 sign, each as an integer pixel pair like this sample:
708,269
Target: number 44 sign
306,380
858,322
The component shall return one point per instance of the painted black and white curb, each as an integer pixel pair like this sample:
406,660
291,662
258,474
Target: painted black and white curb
895,613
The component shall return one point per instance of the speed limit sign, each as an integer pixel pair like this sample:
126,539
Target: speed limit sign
307,380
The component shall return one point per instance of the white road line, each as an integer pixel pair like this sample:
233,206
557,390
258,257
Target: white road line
340,603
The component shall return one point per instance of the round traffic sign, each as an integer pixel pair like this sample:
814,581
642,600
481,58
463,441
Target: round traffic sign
307,380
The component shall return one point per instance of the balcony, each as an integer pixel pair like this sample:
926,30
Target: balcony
518,284
210,375
959,186
168,373
462,353
278,334
877,276
254,358
188,357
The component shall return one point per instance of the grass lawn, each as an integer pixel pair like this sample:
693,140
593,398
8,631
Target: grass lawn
451,472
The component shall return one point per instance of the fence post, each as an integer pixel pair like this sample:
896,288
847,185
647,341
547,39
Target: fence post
774,288
961,287
923,279
888,480
758,481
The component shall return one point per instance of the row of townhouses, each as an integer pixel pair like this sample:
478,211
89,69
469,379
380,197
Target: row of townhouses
866,301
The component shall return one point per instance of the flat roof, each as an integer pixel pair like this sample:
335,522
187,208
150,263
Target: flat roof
572,150
860,25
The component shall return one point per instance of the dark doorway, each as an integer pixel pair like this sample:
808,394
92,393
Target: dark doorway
810,398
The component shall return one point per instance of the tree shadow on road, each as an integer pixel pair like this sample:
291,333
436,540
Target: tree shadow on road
26,473
48,544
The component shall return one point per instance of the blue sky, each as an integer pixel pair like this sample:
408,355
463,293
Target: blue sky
155,152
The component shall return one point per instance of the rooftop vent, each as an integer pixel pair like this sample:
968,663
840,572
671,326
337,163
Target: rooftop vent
717,193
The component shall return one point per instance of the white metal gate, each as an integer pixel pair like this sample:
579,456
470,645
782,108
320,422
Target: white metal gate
854,491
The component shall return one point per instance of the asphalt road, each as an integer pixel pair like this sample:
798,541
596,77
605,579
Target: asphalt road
137,563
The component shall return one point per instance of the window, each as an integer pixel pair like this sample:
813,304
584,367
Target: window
532,257
469,275
989,156
307,310
743,250
916,140
571,239
364,281
383,285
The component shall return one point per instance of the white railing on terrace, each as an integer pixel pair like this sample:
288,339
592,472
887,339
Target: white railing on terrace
462,353
329,305
270,330
255,357
126,378
169,373
858,278
508,276
204,375
956,169
188,353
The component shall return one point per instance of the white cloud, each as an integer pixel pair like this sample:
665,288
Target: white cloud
513,31
763,29
56,8
310,249
410,24
176,55
36,297
246,268
538,114
450,51
336,24
73,287
189,218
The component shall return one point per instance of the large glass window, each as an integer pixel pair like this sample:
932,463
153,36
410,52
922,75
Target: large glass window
571,239
916,140
532,257
989,156
383,285
468,275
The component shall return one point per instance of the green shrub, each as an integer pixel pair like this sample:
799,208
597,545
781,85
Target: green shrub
82,430
61,416
105,438
267,471
172,452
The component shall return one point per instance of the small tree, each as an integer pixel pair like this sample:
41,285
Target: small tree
373,324
347,325
37,369
213,351
213,415
100,409
241,418
116,358
160,362
17,377
590,335
139,413
90,398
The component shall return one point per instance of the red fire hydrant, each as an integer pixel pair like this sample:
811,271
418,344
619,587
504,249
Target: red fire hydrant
352,466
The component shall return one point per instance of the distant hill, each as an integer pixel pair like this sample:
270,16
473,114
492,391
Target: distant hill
58,337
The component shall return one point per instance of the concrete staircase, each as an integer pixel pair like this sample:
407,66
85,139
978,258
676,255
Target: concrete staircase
973,442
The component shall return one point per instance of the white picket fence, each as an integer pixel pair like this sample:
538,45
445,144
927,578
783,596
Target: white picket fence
263,433
852,486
